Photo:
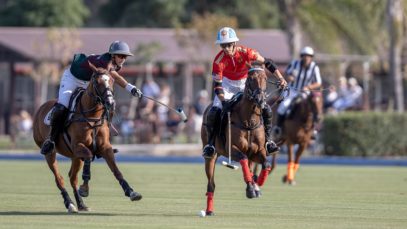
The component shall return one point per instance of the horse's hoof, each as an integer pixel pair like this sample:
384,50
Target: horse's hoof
250,193
284,179
83,191
257,190
134,196
210,213
292,182
72,208
84,209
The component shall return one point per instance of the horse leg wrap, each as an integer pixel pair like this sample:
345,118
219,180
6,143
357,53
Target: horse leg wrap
209,201
290,171
126,187
86,170
67,199
247,175
79,202
263,176
296,167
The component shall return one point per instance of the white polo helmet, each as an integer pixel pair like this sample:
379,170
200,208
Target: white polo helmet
307,51
226,35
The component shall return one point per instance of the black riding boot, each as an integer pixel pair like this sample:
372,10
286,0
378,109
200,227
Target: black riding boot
211,127
271,146
58,117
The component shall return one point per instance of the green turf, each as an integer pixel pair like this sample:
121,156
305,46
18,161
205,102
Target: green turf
173,194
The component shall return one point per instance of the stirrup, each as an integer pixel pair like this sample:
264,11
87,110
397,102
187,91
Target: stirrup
271,147
208,151
47,147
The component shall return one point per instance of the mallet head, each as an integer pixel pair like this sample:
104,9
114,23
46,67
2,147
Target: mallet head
182,114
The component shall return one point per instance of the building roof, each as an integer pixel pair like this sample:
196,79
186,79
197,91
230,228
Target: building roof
28,43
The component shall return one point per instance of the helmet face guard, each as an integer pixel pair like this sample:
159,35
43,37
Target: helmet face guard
120,48
226,35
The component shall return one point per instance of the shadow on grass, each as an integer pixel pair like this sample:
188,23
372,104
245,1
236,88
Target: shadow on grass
22,213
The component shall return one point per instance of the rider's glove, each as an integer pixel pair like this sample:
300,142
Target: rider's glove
134,90
137,92
270,65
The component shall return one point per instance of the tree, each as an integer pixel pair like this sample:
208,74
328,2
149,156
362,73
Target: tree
43,13
291,24
395,28
152,13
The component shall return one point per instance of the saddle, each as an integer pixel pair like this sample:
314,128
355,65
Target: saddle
224,117
76,96
289,114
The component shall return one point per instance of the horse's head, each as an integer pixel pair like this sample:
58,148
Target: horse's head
102,86
256,84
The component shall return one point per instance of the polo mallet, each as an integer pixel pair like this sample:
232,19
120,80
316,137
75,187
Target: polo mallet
229,163
179,110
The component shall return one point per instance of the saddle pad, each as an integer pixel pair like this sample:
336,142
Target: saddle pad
72,105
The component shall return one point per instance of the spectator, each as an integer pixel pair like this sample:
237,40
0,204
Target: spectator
201,102
25,124
353,97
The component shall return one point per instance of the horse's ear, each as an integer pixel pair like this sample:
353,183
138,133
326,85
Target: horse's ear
93,67
110,65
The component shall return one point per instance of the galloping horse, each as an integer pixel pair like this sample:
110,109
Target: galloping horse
247,136
89,135
298,128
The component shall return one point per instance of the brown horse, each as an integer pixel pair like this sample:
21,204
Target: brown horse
89,135
297,129
247,139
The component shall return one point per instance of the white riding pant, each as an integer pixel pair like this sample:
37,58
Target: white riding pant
68,85
230,88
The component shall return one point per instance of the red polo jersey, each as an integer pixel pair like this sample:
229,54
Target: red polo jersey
233,67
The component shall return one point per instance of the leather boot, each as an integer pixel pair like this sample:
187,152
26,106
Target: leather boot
211,125
58,117
271,146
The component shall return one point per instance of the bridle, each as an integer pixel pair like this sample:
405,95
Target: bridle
99,97
256,95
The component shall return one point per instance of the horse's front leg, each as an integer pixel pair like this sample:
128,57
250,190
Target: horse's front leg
210,190
265,169
73,176
108,155
86,175
247,175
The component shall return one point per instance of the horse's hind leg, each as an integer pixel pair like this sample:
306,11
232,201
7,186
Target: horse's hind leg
298,155
210,190
108,155
73,176
289,177
59,180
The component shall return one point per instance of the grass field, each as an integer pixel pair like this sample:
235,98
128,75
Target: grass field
173,194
